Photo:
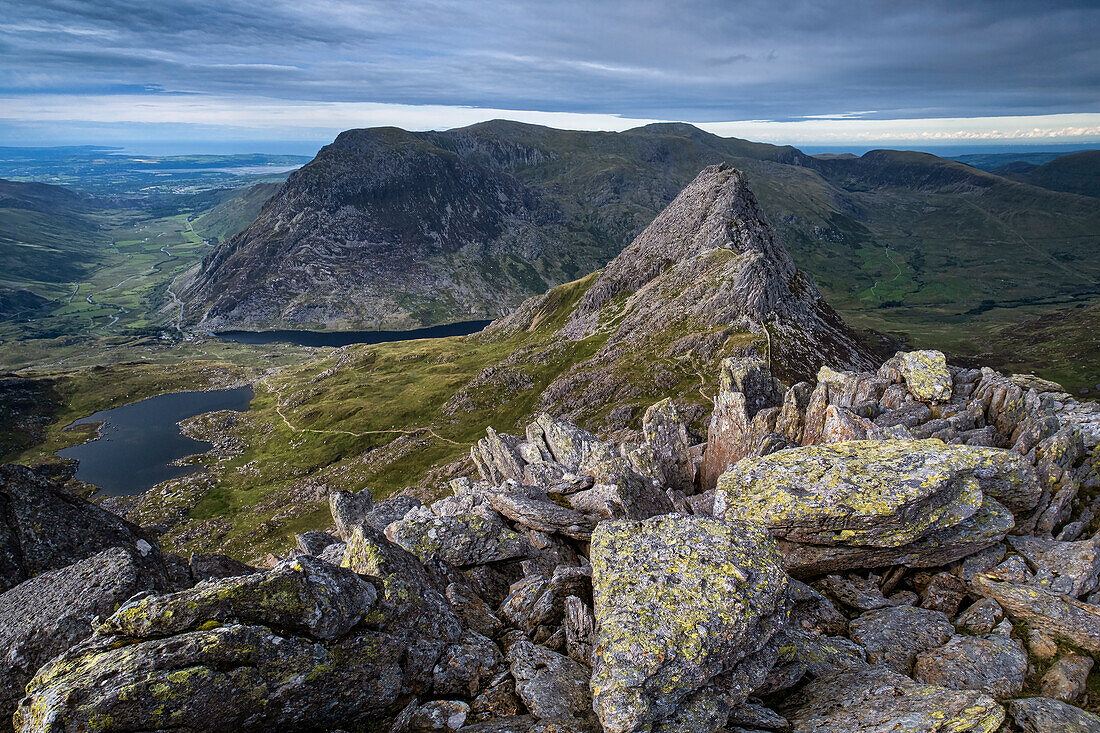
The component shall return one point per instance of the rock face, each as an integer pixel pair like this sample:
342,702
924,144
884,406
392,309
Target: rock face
685,610
877,497
42,528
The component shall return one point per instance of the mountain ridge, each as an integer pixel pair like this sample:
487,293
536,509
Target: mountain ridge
883,228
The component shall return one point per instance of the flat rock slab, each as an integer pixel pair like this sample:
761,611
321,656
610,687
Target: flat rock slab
460,539
893,637
1043,715
686,608
869,493
881,701
995,665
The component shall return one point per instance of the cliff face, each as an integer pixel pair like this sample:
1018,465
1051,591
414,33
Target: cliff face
383,229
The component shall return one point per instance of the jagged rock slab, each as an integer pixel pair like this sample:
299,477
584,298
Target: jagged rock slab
988,526
869,493
995,665
552,686
686,608
42,617
881,701
1059,615
461,539
1071,568
894,636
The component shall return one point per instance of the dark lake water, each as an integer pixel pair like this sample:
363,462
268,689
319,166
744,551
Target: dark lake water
138,442
343,338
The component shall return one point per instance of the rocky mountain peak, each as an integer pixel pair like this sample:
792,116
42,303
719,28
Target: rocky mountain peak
715,219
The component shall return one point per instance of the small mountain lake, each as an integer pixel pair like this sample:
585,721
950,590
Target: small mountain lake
344,338
139,442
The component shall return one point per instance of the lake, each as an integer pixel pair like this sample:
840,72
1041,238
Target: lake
139,442
344,338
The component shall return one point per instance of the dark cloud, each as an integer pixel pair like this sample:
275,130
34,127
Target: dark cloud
695,59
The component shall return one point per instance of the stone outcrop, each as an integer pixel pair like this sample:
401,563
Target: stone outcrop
686,609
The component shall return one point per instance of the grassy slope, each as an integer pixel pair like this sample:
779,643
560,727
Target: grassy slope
1074,173
382,416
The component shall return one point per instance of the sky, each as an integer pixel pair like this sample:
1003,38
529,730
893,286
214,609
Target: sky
288,75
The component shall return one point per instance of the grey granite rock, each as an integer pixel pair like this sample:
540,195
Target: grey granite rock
893,637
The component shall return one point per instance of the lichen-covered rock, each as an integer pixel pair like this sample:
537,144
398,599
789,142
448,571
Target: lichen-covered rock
413,603
870,493
1059,615
229,678
686,608
1067,677
313,542
893,637
552,686
465,666
925,374
462,539
666,433
995,665
1071,568
44,616
1043,715
988,526
880,701
42,527
303,595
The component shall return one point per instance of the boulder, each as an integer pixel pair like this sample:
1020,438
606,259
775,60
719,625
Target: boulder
995,665
313,542
226,678
44,528
42,617
302,595
925,374
413,602
1071,568
686,609
1067,677
540,601
893,637
1043,715
881,701
552,686
463,539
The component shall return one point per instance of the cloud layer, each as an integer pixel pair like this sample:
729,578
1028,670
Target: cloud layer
817,67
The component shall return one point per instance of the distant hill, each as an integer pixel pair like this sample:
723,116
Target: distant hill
1074,173
47,234
390,229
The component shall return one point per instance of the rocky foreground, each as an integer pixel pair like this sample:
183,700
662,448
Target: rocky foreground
910,549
